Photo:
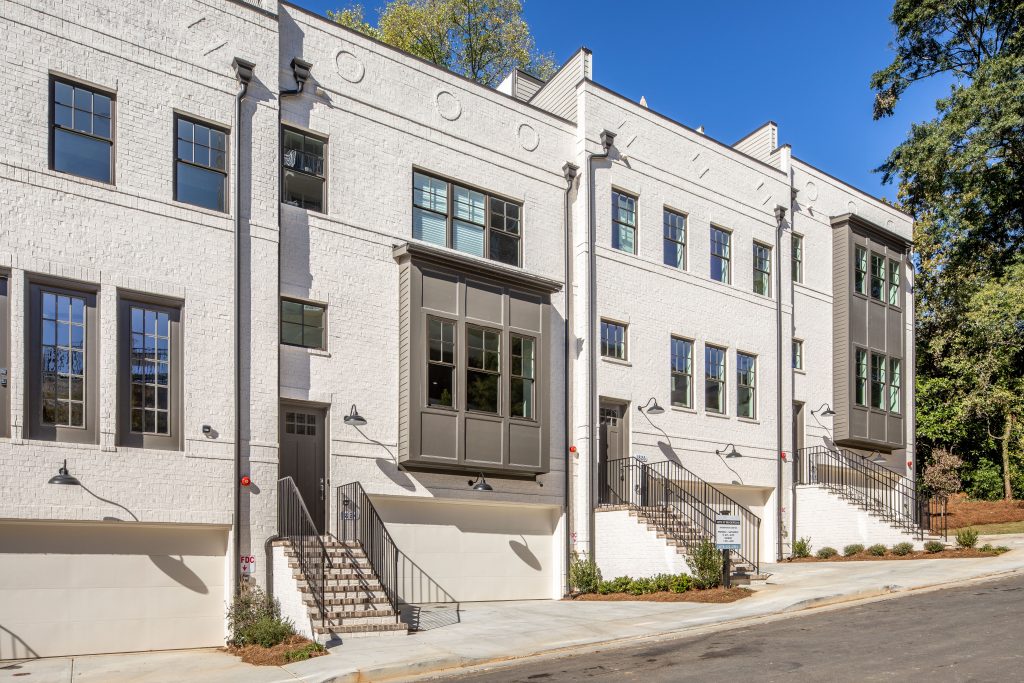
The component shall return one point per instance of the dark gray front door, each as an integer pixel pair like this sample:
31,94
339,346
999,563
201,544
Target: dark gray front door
5,377
303,435
798,427
610,448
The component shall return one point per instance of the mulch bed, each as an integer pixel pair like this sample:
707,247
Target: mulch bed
950,554
961,512
271,656
707,595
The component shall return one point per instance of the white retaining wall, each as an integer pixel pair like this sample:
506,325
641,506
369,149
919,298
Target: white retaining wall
828,520
286,590
626,547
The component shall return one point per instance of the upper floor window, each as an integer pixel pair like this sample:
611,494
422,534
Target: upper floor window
471,221
682,373
895,382
877,276
746,385
303,177
798,354
623,222
675,239
523,370
721,255
762,269
149,392
894,283
878,381
714,379
860,270
302,324
861,378
798,258
81,136
441,360
200,168
613,340
483,369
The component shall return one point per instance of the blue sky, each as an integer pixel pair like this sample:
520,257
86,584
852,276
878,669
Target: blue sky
731,66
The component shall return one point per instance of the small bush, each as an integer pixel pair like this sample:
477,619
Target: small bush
966,538
901,549
934,546
584,576
987,548
662,582
802,547
642,586
705,561
853,549
681,583
827,553
305,652
1000,549
254,618
878,550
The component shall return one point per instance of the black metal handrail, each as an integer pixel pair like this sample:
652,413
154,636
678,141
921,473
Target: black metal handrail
874,488
678,502
295,524
932,515
358,521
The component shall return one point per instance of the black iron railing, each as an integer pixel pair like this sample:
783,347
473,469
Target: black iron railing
932,515
886,494
295,524
359,522
678,502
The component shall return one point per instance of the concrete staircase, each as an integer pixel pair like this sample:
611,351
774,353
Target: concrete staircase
355,603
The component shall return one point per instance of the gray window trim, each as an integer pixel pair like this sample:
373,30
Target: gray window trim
501,372
895,387
797,255
52,125
625,339
532,380
666,211
798,354
454,365
673,373
726,259
323,178
617,223
861,381
178,116
767,273
898,283
723,382
752,387
281,322
865,284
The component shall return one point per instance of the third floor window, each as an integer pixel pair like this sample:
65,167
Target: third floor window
200,167
304,176
624,222
721,255
82,131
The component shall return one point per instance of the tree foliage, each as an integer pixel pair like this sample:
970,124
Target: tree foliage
961,175
481,39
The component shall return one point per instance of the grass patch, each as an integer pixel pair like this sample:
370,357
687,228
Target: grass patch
998,528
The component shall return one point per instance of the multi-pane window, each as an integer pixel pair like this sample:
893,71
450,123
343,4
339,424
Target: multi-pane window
762,269
302,324
675,240
300,423
441,363
201,163
624,222
861,363
714,379
62,349
471,221
81,137
798,258
303,177
522,375
877,276
721,255
878,381
798,354
483,369
150,371
894,283
895,381
613,340
860,270
746,385
682,372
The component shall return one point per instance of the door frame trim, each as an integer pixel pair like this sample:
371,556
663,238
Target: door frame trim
311,406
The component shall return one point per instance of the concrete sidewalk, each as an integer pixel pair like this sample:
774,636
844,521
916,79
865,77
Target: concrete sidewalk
495,632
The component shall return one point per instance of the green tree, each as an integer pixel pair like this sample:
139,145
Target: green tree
480,39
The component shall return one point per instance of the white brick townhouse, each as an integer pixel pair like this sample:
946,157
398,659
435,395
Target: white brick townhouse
282,305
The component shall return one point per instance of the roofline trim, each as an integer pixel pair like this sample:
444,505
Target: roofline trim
853,187
872,227
755,131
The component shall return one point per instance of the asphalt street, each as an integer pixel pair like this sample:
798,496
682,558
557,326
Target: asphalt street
968,633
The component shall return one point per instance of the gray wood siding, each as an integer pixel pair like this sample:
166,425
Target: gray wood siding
761,143
558,95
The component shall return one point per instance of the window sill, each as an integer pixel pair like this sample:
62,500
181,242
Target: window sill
799,371
185,206
83,179
323,353
720,416
617,361
749,420
682,409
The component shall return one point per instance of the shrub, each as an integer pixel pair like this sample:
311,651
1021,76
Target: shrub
642,586
663,582
705,561
902,549
254,618
303,653
802,547
1000,549
934,546
941,476
617,585
966,538
827,553
681,583
853,549
584,576
878,550
987,548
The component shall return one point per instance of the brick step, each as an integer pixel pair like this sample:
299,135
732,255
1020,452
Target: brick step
366,620
342,564
350,602
375,589
343,612
398,629
369,582
353,553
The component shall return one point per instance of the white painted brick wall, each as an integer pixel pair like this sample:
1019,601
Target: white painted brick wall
828,520
626,547
286,590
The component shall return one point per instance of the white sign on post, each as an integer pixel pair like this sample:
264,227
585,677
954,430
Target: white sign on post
727,532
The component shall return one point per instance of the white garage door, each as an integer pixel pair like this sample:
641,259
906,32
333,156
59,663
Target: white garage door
88,588
473,552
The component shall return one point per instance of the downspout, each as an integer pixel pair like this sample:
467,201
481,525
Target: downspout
780,217
569,171
243,72
607,140
792,302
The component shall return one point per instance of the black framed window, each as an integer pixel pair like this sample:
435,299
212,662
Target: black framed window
201,164
483,369
798,354
472,221
860,270
798,258
877,276
441,359
895,383
894,283
878,381
613,340
674,249
82,131
762,269
300,423
721,255
304,177
523,375
746,385
302,324
623,222
861,377
682,372
714,379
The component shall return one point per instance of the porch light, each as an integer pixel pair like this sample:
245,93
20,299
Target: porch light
877,458
653,410
481,484
354,418
729,452
827,412
64,477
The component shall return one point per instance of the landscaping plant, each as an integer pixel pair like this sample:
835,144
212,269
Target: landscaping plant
802,547
966,538
827,553
853,549
681,583
584,575
902,549
308,650
705,561
934,546
254,618
878,550
642,586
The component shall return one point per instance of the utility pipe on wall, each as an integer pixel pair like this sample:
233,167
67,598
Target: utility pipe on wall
569,171
780,218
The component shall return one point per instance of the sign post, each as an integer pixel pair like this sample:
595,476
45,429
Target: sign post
727,538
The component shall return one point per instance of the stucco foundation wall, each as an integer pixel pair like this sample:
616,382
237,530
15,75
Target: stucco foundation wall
626,547
828,520
286,590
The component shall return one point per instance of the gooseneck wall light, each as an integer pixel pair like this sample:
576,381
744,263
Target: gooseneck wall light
654,409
